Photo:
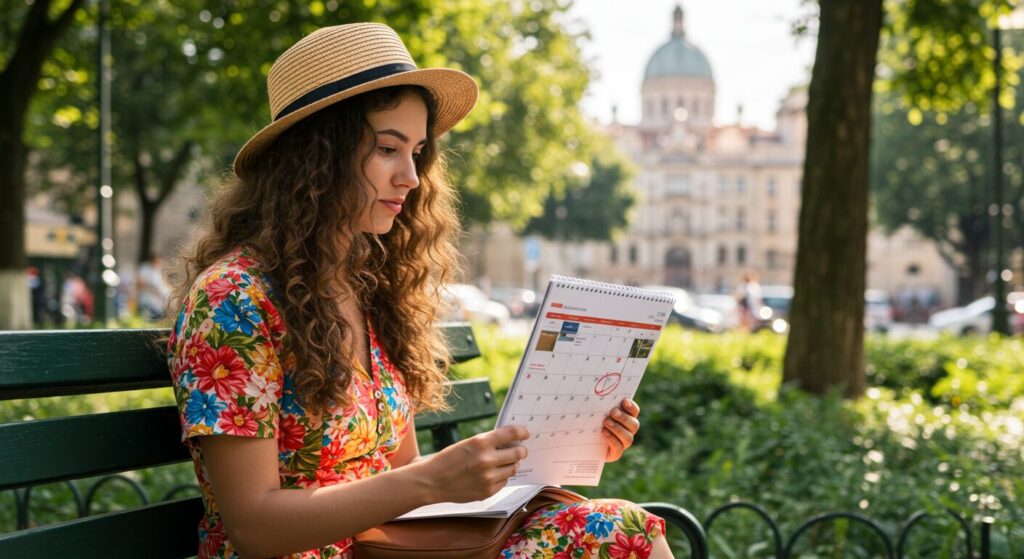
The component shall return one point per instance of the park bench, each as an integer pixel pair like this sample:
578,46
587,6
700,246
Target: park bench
59,363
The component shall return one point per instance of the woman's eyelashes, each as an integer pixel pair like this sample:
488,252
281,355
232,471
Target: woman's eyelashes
388,150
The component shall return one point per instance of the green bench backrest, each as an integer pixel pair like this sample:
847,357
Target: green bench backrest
57,363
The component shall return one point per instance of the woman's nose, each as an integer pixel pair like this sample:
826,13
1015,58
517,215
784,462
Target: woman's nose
407,175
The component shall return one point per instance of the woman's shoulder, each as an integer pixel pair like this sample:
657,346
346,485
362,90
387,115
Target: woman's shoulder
234,285
236,270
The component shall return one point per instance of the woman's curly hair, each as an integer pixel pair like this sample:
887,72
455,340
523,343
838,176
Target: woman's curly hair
297,209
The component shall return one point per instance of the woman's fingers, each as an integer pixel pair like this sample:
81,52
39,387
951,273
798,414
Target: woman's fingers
615,446
620,427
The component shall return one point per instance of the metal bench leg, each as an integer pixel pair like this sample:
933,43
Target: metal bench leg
682,519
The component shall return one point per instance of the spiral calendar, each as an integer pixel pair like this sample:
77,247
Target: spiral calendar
588,350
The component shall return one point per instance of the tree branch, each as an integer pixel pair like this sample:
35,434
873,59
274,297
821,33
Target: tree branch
140,177
60,25
171,176
38,36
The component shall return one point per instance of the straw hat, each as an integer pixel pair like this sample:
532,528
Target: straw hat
335,63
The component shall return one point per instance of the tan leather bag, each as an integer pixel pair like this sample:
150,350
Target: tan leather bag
453,538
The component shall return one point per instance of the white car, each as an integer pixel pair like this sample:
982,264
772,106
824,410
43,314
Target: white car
687,313
877,311
976,318
724,304
472,304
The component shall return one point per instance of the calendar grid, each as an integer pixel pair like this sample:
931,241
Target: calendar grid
588,351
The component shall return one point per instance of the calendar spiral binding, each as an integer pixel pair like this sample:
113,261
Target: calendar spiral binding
601,287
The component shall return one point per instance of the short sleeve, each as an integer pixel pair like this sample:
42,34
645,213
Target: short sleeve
226,374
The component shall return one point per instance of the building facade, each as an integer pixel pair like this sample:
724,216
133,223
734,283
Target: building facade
714,200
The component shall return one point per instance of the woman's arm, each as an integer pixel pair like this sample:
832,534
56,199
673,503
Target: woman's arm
261,519
408,449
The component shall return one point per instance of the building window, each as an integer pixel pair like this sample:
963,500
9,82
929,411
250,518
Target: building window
741,219
741,254
771,220
771,187
770,259
913,270
723,184
678,184
723,254
650,108
722,221
614,256
741,185
664,107
678,222
632,254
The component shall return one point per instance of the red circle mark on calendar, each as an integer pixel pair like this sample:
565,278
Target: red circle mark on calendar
607,383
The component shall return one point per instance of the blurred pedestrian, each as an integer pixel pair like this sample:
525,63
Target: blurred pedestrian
75,300
748,300
152,288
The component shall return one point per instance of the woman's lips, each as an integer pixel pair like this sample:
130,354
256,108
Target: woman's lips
393,205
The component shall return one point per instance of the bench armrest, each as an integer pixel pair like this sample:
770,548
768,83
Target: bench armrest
682,519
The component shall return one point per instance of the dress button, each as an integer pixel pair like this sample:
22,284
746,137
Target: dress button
378,394
380,406
380,428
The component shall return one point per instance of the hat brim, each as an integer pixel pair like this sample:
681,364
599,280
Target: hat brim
454,92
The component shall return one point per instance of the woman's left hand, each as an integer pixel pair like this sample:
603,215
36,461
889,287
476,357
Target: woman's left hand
620,427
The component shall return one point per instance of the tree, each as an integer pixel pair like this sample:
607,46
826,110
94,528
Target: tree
826,339
189,89
593,206
41,26
825,348
932,171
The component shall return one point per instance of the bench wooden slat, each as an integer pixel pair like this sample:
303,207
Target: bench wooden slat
469,399
73,447
62,362
50,450
166,529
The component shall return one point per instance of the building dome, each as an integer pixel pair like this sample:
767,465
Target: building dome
678,57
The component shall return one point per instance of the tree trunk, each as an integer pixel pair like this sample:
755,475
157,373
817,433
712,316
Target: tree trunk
15,308
826,340
20,78
150,205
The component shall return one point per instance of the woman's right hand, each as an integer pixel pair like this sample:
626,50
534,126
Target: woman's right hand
475,468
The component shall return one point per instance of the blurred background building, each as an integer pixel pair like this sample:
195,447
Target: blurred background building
714,200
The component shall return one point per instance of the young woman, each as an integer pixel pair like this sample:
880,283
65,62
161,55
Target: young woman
306,336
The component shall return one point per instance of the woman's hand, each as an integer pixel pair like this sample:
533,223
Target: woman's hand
475,468
620,427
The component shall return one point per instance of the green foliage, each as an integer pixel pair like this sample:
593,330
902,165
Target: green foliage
932,169
937,54
189,78
595,206
941,426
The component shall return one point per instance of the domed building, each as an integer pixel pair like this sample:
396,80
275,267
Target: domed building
677,82
714,200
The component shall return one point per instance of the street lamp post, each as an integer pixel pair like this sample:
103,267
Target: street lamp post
1000,315
1000,319
105,284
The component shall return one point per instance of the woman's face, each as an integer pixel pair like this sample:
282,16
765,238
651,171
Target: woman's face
401,133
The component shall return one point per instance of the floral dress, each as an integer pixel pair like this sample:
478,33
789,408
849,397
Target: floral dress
233,374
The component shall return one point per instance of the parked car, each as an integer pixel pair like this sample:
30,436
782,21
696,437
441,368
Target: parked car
471,304
878,312
687,313
724,304
976,317
522,302
774,311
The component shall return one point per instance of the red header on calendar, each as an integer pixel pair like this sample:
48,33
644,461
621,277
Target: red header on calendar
601,321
